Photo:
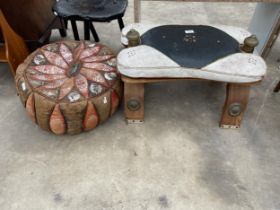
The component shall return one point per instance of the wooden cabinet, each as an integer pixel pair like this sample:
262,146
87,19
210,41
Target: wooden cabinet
31,19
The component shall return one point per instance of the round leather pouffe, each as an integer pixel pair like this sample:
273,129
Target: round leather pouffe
69,87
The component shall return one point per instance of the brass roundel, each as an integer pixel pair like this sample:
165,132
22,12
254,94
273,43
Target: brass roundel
234,109
133,104
133,37
250,43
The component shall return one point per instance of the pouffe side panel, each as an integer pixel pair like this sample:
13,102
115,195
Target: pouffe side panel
30,107
22,87
74,115
91,117
102,104
43,109
116,96
20,71
23,94
115,100
57,121
118,87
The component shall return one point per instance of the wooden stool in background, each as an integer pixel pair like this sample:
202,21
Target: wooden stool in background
90,11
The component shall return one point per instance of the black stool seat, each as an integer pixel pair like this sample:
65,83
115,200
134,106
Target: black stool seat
88,11
191,46
94,10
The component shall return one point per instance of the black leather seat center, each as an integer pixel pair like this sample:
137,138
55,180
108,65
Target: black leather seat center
191,46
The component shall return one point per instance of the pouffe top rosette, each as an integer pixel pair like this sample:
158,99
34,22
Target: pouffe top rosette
69,87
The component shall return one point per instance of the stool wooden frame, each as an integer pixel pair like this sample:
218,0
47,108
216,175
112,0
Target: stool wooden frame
237,96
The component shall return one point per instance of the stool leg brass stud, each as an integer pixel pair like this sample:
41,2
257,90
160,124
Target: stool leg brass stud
134,102
235,105
237,95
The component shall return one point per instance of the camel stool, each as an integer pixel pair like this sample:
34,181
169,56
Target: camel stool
175,52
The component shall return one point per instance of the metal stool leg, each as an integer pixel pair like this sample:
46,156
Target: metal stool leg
93,31
62,30
86,30
120,20
75,30
65,23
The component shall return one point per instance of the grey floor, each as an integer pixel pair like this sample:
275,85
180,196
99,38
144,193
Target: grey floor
178,159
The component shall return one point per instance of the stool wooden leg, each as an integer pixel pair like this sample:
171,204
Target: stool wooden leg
86,30
62,30
235,105
134,102
277,88
65,23
121,25
75,30
94,33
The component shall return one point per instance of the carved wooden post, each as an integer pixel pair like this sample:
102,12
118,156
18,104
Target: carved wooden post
133,90
237,95
137,11
277,88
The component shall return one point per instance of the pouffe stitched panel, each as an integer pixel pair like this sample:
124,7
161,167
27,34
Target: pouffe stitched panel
69,87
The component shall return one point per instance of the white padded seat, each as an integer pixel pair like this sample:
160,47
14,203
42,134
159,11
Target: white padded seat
144,61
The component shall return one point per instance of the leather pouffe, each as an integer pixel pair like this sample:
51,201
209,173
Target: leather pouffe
69,87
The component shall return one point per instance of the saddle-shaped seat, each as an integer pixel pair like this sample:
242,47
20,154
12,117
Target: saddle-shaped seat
167,52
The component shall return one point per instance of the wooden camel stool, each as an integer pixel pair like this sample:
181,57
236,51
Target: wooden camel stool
159,53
